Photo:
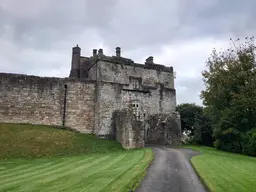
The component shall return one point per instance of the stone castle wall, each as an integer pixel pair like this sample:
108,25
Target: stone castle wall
121,73
95,98
121,85
160,129
40,100
164,129
128,131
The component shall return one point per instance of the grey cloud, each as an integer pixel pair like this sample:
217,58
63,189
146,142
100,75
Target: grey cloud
36,36
189,89
55,21
163,22
222,17
144,23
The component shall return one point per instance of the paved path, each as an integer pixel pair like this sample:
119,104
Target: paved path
171,171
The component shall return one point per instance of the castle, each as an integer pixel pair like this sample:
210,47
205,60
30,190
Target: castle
109,96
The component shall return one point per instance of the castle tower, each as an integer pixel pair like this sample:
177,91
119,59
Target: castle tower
75,63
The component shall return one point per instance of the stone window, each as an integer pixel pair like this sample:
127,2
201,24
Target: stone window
135,84
136,110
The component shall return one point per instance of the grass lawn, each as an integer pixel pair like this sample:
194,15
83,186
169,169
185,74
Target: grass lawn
33,141
225,172
99,172
68,161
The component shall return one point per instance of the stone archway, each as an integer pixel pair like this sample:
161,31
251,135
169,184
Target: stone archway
163,129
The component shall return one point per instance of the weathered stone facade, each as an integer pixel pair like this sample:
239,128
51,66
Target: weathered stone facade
163,129
40,100
129,131
98,86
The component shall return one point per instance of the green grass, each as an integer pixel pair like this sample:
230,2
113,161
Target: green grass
41,158
225,172
118,171
33,141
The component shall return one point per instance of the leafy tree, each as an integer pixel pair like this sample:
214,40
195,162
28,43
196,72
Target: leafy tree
195,123
230,94
189,112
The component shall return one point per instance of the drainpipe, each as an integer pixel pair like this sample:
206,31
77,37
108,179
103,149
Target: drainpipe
64,105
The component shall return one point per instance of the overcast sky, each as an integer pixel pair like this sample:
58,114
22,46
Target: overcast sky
36,36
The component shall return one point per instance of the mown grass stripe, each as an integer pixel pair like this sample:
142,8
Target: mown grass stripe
129,179
29,163
91,173
116,173
222,171
17,168
37,164
34,175
109,173
31,171
58,184
47,182
23,170
104,161
227,170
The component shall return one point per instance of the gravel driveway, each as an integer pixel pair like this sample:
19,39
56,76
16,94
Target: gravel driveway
171,171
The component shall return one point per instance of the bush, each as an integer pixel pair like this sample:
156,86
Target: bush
250,143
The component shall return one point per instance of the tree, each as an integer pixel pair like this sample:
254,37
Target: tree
230,94
195,123
189,112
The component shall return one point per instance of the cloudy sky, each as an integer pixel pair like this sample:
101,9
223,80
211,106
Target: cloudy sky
36,36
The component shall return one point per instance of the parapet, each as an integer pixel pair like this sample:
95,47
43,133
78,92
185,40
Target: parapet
118,59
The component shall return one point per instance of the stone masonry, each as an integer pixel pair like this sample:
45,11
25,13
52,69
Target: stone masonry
96,95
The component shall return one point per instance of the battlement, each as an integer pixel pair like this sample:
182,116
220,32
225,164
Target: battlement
82,64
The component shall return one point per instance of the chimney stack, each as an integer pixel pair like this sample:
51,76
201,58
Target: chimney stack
118,51
75,63
94,52
150,60
100,52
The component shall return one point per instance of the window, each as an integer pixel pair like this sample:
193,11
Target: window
136,110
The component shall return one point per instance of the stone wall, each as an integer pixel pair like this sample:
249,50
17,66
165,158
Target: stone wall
120,73
40,100
99,86
109,100
120,85
80,113
163,129
160,129
113,96
128,131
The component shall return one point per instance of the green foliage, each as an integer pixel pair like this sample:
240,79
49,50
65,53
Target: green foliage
33,141
223,171
249,141
230,95
195,123
189,112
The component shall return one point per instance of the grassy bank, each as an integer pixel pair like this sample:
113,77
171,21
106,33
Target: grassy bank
69,161
33,141
225,172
